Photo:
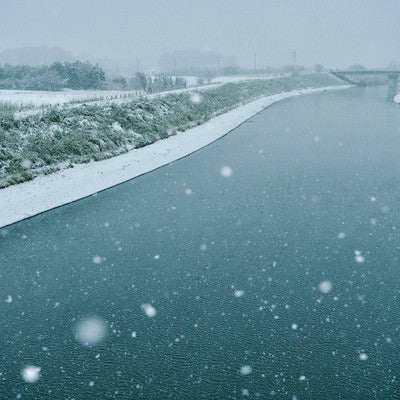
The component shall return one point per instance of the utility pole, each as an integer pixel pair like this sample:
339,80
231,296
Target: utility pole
294,61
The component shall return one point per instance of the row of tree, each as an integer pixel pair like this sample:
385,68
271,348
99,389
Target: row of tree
142,81
75,75
80,75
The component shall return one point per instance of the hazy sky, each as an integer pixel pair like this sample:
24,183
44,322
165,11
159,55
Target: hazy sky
334,33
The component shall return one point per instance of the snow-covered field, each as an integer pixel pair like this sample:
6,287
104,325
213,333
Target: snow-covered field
241,78
42,98
39,98
46,192
36,99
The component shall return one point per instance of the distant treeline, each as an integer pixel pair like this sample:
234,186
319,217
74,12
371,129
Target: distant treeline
75,75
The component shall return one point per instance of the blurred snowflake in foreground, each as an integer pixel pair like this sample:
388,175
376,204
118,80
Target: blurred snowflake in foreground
226,171
325,286
91,331
149,310
31,374
358,256
245,370
238,293
97,260
27,164
196,98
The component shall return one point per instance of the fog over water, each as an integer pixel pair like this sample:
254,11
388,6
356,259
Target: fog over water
335,34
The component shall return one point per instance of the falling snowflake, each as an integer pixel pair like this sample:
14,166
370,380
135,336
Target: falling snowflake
196,98
226,171
363,356
246,370
97,260
294,326
149,310
358,256
26,164
325,286
31,374
341,235
238,293
203,247
91,331
133,334
188,191
9,299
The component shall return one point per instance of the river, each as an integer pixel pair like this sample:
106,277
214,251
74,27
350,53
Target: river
265,265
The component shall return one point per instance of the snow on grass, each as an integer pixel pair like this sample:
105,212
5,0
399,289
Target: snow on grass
58,137
49,191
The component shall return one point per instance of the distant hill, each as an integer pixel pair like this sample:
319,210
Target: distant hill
34,56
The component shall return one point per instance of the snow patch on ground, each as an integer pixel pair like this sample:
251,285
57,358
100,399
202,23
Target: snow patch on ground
46,192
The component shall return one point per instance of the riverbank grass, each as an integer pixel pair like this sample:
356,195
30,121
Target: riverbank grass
58,137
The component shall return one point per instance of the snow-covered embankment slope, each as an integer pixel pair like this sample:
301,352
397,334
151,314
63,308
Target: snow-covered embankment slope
46,192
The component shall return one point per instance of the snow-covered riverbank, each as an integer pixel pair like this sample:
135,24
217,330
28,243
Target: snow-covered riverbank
46,192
